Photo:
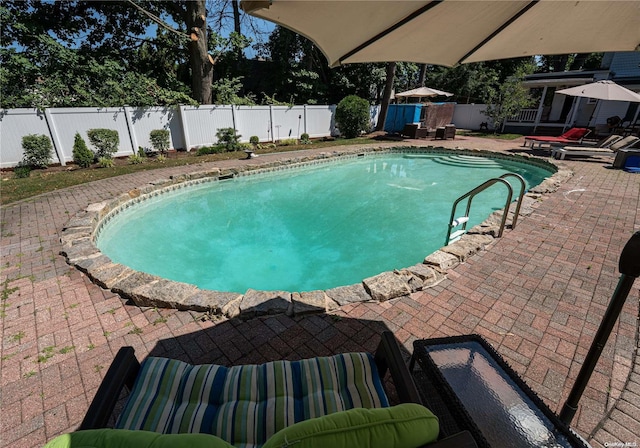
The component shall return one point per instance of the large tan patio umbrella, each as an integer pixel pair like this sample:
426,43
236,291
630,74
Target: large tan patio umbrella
448,32
422,92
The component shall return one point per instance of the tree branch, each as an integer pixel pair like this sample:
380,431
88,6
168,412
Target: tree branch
159,21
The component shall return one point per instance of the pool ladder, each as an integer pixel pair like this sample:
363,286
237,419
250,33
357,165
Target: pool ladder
462,220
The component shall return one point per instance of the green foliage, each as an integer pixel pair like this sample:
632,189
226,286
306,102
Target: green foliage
352,116
226,91
82,156
105,162
161,159
106,141
216,149
142,152
272,101
38,150
135,159
304,139
48,74
510,97
288,142
254,140
160,140
229,139
21,170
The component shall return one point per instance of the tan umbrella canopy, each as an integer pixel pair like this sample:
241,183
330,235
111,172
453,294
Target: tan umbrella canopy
422,92
603,90
448,32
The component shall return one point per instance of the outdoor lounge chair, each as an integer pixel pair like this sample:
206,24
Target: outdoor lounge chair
605,142
623,143
325,401
572,136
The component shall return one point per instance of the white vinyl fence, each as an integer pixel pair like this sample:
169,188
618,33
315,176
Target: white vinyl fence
469,116
190,126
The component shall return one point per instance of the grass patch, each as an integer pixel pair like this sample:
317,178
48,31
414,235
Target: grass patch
67,349
494,136
160,320
17,337
52,179
47,353
136,330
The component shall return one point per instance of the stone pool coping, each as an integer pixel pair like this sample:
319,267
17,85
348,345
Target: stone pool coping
147,290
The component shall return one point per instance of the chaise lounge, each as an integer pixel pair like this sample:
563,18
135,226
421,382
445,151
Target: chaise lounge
610,151
572,136
325,401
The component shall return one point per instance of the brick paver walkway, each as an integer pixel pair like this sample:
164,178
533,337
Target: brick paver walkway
537,295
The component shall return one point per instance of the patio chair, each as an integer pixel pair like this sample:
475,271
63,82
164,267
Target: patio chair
572,136
602,143
623,143
325,401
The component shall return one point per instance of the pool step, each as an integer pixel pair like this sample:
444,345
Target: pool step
455,236
471,162
460,160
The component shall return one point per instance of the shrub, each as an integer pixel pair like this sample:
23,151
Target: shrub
142,152
135,159
38,150
304,139
82,156
105,162
254,140
21,170
106,141
160,159
204,150
228,138
288,142
160,140
352,116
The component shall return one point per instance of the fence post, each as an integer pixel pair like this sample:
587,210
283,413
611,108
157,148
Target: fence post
53,132
233,118
304,124
270,130
185,128
130,128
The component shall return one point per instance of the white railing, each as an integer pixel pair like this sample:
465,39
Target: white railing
524,116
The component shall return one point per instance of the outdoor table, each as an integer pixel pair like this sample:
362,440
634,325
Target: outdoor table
473,381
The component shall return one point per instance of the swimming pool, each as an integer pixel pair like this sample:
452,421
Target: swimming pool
313,227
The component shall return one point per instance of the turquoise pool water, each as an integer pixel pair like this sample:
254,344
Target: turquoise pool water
307,228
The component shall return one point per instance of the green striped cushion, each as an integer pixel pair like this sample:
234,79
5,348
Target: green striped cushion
245,405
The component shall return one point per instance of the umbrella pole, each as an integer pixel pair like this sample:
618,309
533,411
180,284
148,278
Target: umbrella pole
629,267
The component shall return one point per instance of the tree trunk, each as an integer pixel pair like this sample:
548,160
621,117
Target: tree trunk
236,16
201,61
236,26
423,75
386,98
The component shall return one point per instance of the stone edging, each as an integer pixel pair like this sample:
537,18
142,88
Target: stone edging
78,246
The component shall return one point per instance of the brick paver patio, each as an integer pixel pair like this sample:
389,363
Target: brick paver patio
537,295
